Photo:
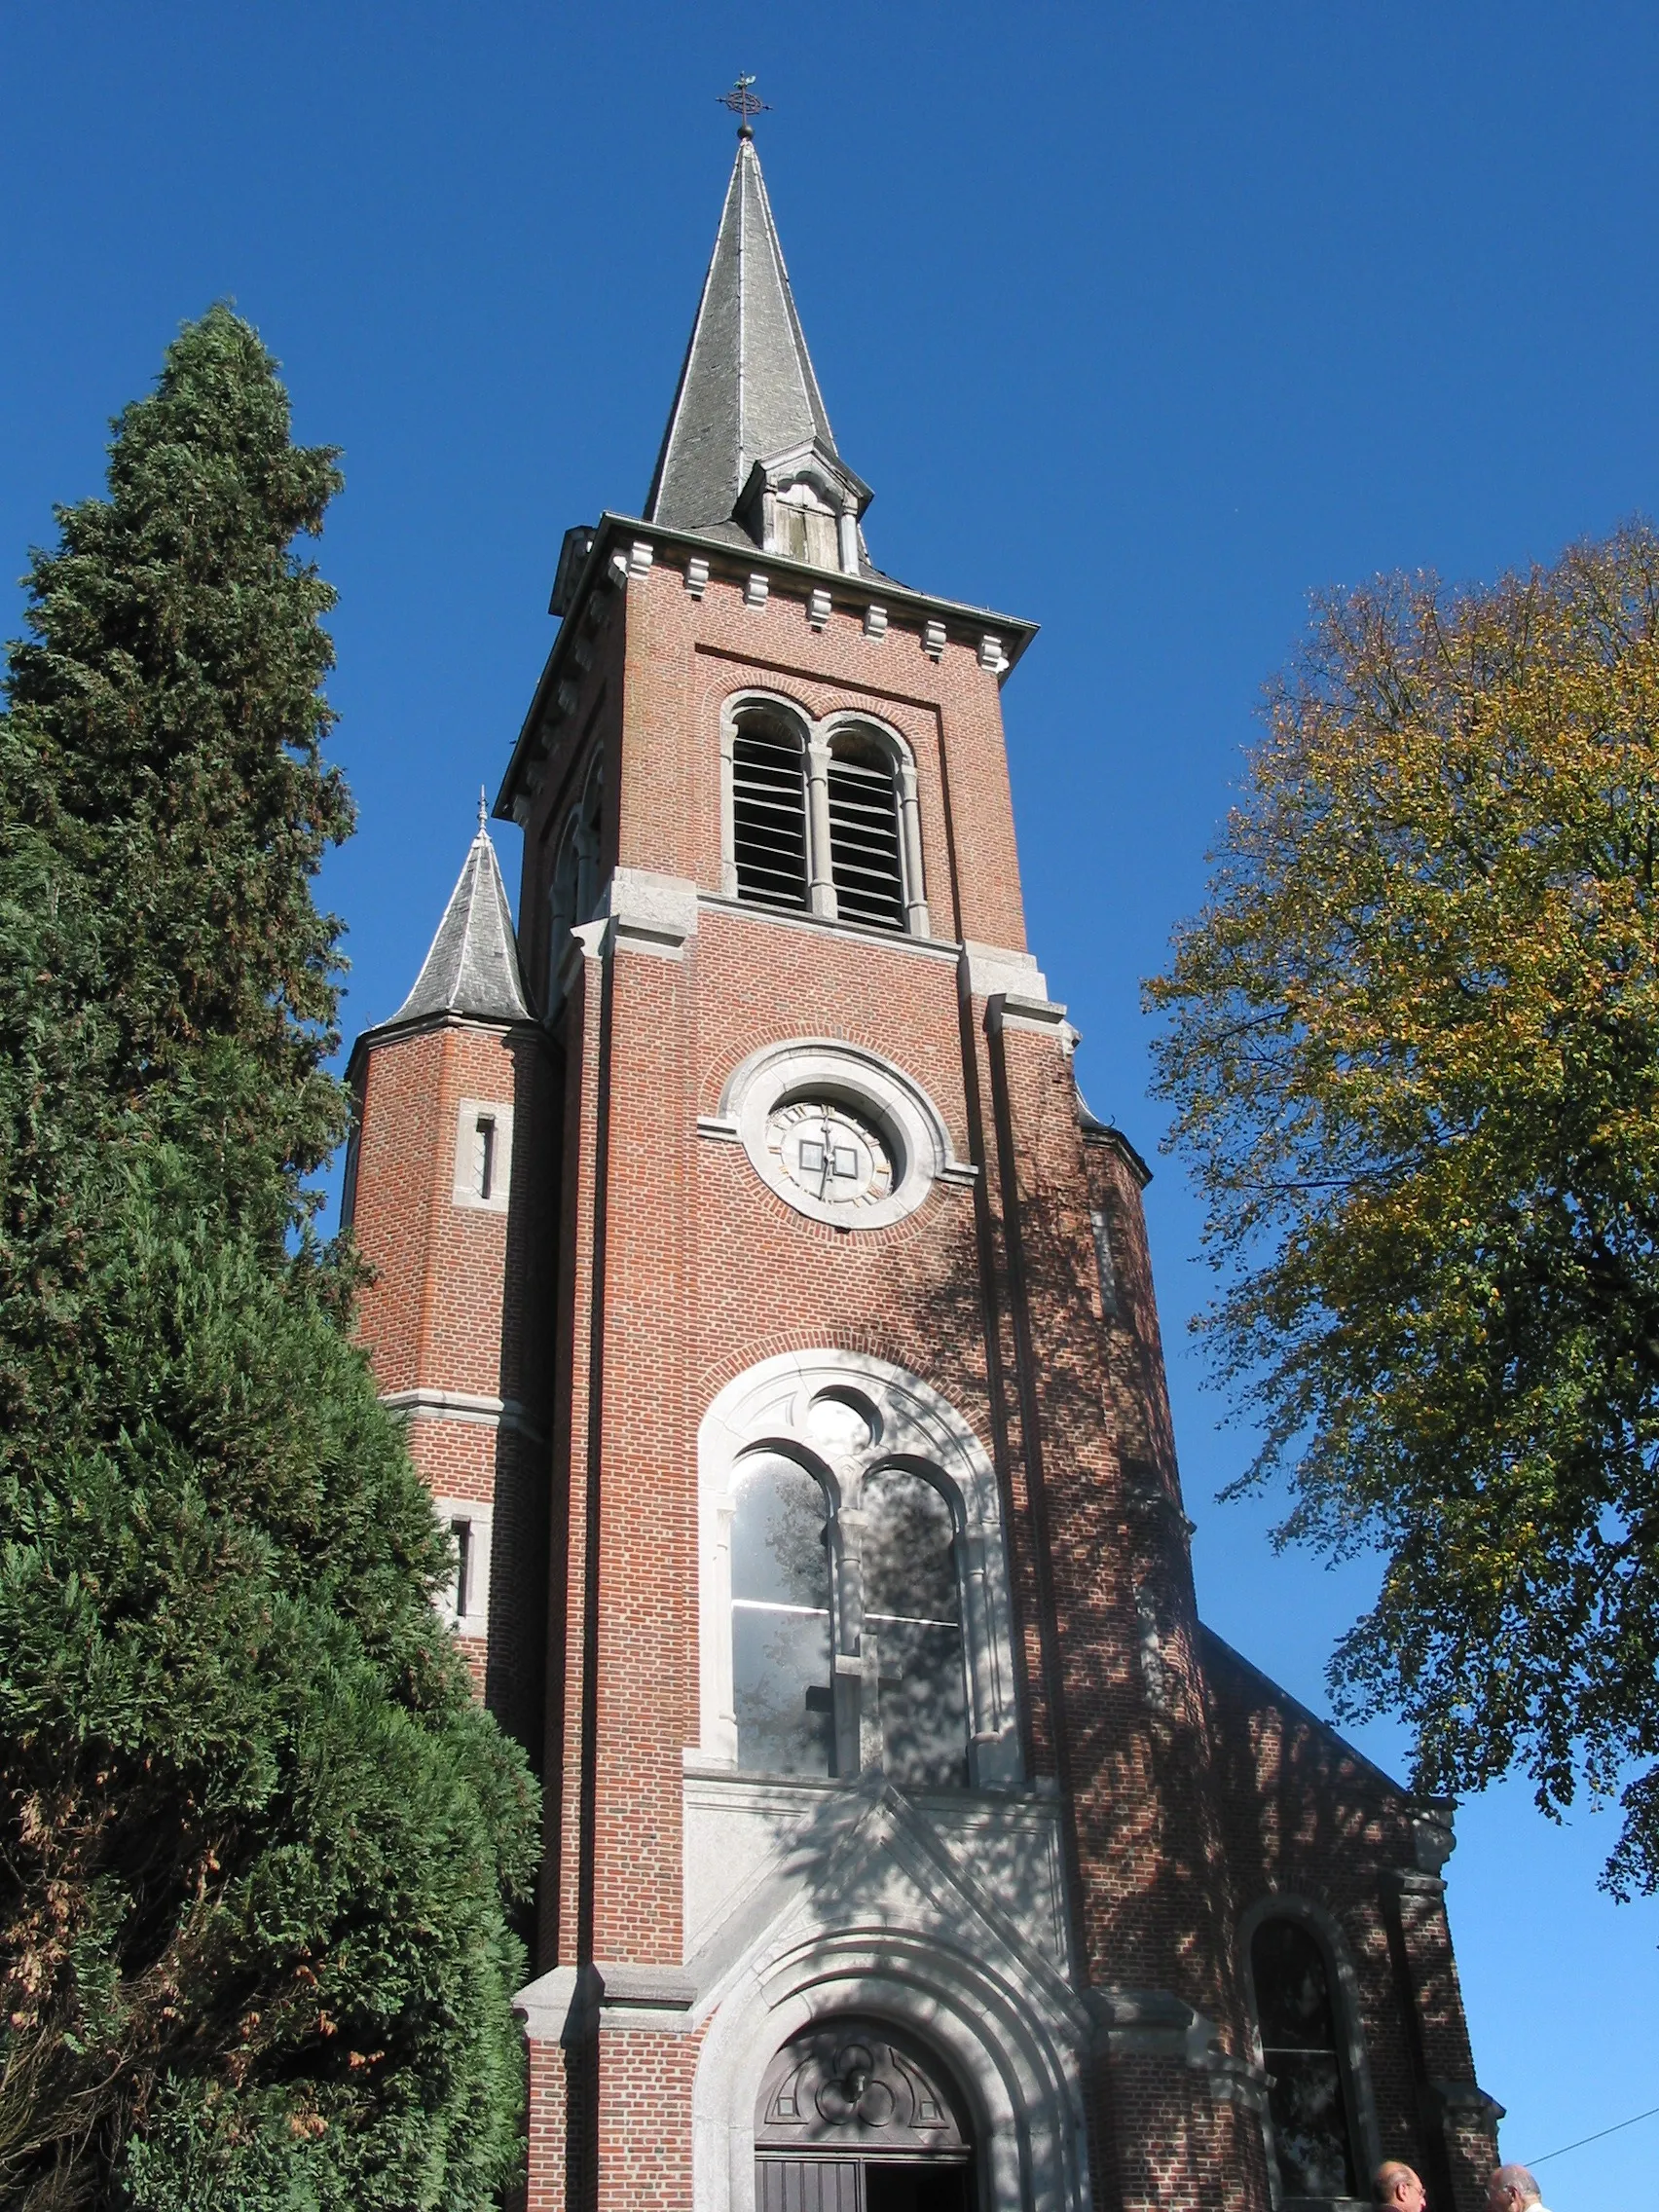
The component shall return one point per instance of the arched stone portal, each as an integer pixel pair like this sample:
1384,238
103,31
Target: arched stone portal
854,2115
885,1927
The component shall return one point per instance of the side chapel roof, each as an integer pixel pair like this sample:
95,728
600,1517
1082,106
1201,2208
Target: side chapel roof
747,388
473,965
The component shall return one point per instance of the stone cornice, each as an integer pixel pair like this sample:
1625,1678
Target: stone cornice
623,547
415,1025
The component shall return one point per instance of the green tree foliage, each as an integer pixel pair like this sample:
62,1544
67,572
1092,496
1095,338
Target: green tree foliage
258,1839
1413,1048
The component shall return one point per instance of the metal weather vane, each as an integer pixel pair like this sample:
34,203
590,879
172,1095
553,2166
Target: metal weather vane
744,103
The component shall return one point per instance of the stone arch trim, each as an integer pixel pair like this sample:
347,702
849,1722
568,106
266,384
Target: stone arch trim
766,1404
867,1083
839,720
1327,1931
762,698
795,716
1009,2045
901,758
817,733
860,1341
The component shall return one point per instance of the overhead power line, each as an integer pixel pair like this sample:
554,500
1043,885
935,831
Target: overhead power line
1616,2127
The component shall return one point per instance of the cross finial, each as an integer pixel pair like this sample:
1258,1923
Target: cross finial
744,103
482,811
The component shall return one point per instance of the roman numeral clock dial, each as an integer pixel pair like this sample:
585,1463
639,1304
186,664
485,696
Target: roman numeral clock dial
830,1154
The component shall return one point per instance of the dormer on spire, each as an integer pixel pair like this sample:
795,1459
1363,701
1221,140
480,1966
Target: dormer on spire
472,968
749,449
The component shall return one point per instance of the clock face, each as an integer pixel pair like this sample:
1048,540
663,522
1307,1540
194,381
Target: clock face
830,1154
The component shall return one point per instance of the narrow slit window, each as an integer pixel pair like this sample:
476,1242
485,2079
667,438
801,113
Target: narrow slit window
865,848
1103,1262
1307,2102
461,1532
768,815
484,1156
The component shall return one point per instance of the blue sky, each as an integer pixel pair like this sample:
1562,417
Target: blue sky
1142,321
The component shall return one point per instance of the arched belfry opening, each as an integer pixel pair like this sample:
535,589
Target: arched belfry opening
856,2116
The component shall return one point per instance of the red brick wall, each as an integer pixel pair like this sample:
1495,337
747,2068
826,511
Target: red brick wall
663,662
1306,1816
673,1269
1294,1811
460,1303
680,1268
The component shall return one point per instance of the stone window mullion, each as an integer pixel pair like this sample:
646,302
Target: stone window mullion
850,1695
822,890
725,1700
910,828
984,1684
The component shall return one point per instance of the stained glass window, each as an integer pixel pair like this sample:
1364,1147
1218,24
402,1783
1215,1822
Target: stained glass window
1308,2101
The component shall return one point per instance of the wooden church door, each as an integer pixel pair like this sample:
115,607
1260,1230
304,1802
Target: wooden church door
854,2117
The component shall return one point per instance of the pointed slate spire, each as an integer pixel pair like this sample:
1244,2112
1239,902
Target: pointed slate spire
747,391
473,966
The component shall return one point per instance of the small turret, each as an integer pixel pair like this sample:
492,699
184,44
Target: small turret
447,1193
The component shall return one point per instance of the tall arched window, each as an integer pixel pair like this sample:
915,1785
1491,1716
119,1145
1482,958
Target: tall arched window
866,848
572,890
902,1671
768,812
855,1607
562,896
1308,2104
913,1611
781,1619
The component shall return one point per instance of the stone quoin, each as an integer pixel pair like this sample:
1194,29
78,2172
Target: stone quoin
775,1329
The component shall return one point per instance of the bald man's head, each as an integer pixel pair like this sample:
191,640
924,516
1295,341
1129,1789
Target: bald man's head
1395,2188
1511,2189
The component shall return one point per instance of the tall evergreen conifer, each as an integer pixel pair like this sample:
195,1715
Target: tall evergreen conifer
258,1838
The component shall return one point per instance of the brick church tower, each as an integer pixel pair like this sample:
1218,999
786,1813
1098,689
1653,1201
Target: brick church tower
776,1331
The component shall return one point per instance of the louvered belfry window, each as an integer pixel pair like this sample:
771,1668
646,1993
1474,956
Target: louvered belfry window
768,814
865,860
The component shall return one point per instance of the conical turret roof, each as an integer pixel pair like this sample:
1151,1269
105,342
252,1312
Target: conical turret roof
747,391
473,966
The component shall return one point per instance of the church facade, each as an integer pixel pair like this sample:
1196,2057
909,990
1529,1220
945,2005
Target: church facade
775,1330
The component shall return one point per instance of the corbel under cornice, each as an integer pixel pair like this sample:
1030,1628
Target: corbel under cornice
621,546
397,1032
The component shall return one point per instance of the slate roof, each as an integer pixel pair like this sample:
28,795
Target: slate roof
747,390
473,965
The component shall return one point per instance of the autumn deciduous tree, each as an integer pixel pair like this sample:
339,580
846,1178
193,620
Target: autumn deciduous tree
1411,1043
257,1840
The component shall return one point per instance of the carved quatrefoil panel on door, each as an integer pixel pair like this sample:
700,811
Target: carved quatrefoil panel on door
853,2086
